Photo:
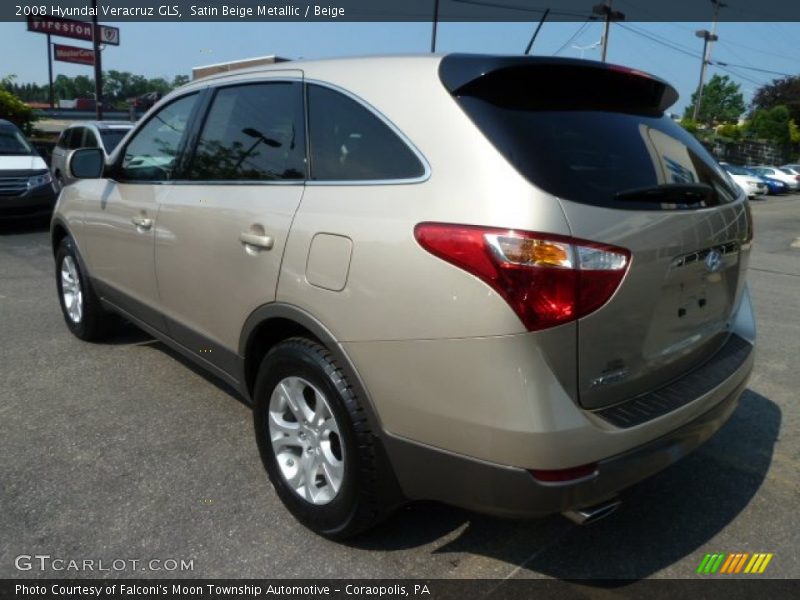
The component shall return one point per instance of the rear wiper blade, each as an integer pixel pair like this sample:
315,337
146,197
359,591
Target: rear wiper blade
673,193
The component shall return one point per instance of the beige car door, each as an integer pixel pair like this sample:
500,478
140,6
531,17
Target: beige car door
120,227
222,229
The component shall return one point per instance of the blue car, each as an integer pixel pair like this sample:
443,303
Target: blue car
774,186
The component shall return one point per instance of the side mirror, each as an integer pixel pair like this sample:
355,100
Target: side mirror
86,163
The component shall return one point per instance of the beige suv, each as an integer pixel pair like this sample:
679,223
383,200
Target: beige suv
506,283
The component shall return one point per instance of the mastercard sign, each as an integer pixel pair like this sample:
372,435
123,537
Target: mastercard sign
73,54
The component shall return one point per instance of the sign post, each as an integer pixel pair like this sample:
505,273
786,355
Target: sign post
98,67
50,96
79,30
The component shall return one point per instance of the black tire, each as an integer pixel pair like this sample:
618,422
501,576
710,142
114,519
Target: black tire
95,323
355,507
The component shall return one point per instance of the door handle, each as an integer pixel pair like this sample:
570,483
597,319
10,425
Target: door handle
261,241
142,223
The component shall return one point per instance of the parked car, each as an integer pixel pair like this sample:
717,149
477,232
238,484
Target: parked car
517,303
85,134
790,179
26,187
774,186
752,185
791,169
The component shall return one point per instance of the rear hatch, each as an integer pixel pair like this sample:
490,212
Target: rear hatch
596,138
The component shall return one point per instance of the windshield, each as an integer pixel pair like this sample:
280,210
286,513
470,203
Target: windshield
112,138
737,170
13,142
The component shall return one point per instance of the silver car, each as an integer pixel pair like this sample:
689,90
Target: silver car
85,134
507,283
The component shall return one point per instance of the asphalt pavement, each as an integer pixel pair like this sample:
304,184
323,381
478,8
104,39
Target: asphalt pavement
123,451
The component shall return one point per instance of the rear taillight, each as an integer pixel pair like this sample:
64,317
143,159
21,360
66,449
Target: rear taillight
546,279
797,177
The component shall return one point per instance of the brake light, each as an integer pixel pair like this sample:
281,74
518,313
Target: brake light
797,177
546,279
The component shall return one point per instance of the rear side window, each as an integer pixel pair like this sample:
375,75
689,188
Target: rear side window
75,138
253,132
589,137
152,153
349,143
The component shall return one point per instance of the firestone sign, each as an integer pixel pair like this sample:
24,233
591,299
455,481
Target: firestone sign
72,54
79,30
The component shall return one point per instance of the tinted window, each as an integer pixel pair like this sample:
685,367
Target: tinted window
253,132
75,138
111,138
349,143
591,147
152,153
90,139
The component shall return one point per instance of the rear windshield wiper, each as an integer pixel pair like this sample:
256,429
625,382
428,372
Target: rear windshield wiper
672,193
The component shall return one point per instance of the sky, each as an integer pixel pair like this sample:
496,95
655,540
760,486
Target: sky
168,49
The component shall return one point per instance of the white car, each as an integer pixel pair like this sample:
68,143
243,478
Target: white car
750,184
88,134
781,174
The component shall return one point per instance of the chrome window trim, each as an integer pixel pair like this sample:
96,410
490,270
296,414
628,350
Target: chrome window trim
306,181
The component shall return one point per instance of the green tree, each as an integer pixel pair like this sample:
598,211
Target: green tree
781,92
730,131
773,124
180,80
794,132
723,102
16,111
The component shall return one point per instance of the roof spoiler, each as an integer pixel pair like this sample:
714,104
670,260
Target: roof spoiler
466,74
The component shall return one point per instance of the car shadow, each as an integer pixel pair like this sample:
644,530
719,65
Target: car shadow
130,334
661,520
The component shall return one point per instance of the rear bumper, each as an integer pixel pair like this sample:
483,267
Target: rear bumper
37,202
429,473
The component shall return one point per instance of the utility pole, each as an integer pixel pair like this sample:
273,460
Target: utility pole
98,66
609,16
708,38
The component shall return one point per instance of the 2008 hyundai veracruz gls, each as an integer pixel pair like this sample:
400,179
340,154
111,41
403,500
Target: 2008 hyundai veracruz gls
507,283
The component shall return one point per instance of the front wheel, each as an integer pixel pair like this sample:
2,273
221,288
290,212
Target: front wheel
83,313
315,441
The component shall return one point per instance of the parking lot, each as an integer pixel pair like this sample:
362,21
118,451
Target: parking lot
125,451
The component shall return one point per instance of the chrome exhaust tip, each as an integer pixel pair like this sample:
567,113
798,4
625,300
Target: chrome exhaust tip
590,514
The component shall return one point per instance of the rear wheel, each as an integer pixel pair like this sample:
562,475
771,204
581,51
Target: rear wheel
315,440
83,313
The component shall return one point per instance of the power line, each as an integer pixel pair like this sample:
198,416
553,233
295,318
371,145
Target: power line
670,45
573,37
682,50
727,64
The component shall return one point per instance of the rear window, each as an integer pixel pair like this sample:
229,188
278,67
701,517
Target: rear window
588,135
